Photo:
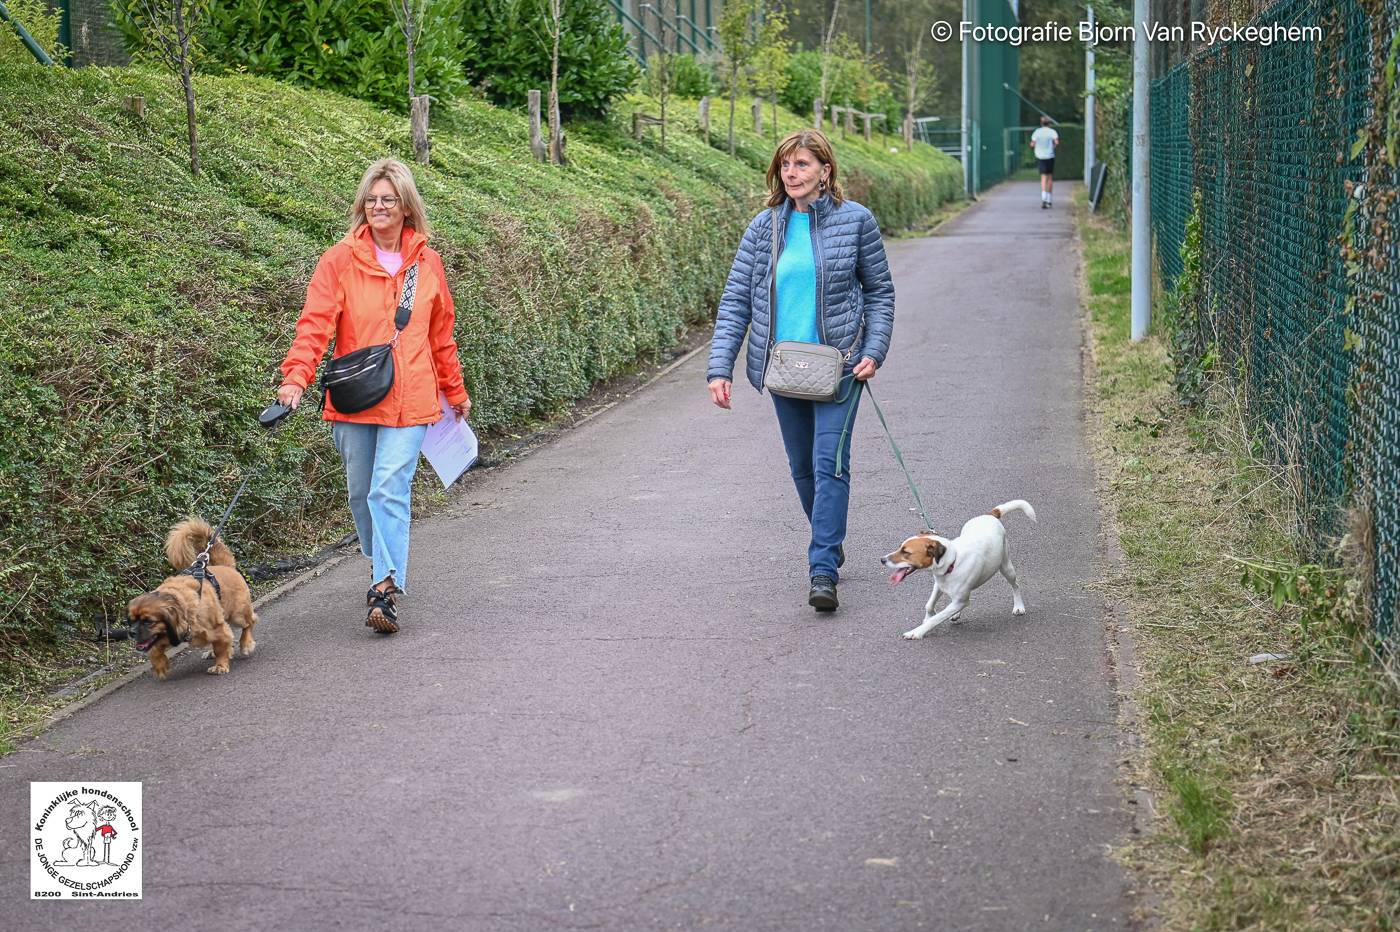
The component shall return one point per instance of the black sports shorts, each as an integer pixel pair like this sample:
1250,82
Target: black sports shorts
1047,166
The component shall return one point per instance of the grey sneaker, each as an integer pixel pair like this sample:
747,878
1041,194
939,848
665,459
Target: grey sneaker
822,595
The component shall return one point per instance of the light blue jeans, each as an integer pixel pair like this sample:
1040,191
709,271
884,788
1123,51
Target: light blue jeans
379,467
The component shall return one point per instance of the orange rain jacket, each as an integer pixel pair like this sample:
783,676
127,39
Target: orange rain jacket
354,299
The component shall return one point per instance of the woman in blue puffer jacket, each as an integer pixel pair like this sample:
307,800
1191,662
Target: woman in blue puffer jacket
833,286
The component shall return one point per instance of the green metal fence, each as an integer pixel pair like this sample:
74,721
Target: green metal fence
1266,134
690,25
993,104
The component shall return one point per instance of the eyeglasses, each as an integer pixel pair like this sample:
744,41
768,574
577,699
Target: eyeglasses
388,201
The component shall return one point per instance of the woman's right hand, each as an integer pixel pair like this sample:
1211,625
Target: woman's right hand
719,392
289,395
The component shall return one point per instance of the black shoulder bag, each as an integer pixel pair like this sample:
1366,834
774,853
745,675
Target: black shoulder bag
360,380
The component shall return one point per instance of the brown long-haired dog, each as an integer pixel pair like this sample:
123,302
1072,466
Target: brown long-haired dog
180,609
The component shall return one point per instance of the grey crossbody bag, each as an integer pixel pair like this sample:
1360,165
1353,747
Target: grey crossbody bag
806,371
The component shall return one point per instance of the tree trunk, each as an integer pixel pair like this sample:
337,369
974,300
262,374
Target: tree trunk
411,41
182,37
189,115
733,103
556,147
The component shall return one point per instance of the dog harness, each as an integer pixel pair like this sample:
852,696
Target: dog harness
199,569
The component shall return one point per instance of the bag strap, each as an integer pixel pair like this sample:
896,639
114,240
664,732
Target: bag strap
410,290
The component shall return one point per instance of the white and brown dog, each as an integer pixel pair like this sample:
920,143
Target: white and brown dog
959,565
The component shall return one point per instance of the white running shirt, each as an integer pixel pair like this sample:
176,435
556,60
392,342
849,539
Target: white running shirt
1044,139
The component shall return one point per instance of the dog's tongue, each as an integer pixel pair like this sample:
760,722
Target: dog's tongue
898,575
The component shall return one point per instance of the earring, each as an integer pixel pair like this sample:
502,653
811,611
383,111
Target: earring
821,185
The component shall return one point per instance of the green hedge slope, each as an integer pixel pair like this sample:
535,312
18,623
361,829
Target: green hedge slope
145,311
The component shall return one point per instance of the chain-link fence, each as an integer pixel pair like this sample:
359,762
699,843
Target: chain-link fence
93,34
1293,148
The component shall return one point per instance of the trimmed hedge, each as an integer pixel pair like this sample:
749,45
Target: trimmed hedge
146,311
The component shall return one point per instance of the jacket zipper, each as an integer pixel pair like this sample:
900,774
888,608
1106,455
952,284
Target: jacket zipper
775,244
821,276
394,348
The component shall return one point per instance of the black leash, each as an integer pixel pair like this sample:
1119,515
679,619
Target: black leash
271,417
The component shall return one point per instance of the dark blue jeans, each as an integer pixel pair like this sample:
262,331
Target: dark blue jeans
811,433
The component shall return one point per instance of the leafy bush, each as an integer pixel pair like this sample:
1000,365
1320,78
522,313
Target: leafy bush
688,75
39,21
850,81
509,47
351,48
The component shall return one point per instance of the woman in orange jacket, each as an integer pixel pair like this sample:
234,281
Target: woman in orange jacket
353,295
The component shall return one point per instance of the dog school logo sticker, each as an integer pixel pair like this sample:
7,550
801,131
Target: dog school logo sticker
85,841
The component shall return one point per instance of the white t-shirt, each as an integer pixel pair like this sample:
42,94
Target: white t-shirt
1044,140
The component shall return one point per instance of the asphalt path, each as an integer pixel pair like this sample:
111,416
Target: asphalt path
610,706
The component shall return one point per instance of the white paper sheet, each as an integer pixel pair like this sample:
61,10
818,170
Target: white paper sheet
450,445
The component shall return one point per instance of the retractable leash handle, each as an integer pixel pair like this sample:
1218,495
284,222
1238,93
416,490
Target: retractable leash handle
274,414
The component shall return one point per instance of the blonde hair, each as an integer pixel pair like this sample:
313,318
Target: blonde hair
814,141
401,177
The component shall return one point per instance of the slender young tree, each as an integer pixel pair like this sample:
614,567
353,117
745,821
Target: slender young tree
918,80
169,27
410,15
736,37
556,132
661,62
826,48
771,60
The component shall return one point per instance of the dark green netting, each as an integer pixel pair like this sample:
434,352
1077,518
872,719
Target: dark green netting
993,102
1265,134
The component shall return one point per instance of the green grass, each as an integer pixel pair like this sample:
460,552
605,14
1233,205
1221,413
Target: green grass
1200,811
1276,783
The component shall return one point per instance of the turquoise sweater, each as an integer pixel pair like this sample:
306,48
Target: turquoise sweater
797,283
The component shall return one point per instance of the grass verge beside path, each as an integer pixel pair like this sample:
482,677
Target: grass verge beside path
1276,782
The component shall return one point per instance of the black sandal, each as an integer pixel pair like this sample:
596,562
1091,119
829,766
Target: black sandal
383,616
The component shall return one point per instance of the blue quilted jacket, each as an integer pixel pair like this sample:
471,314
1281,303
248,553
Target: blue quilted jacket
855,296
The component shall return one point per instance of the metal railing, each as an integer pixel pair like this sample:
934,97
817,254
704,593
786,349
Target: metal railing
692,31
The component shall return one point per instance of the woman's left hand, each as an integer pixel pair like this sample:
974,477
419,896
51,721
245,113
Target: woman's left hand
463,409
865,369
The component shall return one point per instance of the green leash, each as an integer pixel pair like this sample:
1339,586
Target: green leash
845,431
